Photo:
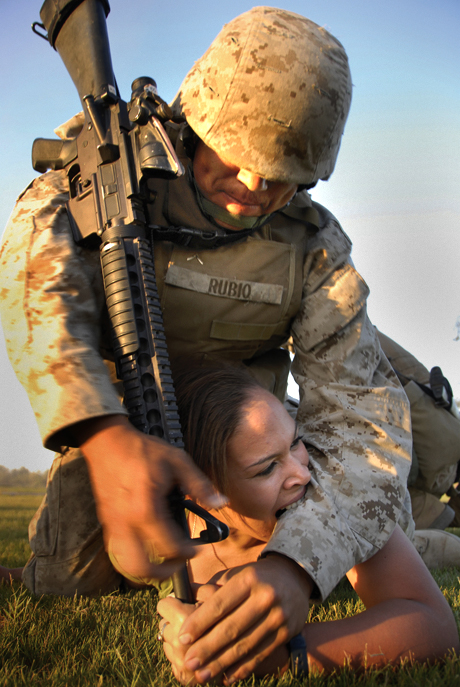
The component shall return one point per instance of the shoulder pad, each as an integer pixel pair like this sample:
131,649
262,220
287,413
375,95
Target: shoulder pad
301,208
325,216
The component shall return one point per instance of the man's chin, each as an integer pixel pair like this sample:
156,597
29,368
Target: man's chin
244,210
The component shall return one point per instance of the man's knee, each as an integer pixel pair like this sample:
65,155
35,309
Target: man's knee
66,537
88,573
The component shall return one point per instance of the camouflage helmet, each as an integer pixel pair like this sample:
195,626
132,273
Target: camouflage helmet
271,95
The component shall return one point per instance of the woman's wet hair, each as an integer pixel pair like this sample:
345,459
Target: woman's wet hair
211,401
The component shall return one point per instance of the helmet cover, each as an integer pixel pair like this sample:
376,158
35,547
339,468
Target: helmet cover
271,95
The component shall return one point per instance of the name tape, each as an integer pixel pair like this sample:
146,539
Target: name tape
223,287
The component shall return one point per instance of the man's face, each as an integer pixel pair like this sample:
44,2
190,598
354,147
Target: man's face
237,190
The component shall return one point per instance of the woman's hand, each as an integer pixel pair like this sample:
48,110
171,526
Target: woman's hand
174,613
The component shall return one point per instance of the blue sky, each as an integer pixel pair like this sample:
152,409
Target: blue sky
396,188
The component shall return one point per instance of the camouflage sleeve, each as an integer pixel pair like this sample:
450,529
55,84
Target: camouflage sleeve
353,409
51,305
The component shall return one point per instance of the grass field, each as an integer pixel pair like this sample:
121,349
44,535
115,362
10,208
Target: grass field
111,641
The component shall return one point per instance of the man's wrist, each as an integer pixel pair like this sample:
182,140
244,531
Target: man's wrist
307,583
85,430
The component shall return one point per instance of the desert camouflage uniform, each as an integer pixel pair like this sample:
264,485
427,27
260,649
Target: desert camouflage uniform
289,278
292,277
436,431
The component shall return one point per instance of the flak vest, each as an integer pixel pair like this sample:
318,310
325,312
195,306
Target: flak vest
235,302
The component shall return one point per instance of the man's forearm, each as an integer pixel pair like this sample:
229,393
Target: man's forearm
88,432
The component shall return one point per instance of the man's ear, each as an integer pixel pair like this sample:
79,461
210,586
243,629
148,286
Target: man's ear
189,141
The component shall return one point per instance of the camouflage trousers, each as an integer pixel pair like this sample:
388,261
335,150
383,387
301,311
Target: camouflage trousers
435,431
68,555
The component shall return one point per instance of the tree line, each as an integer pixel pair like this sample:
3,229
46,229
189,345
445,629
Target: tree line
23,478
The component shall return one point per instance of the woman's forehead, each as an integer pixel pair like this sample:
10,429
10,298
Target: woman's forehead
265,425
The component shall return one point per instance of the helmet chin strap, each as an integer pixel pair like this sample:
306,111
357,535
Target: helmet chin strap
215,213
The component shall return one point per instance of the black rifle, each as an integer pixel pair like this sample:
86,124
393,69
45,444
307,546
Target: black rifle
108,164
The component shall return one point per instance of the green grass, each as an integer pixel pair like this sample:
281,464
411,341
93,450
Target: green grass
16,510
111,641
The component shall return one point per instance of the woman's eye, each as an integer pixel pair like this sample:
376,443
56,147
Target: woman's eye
268,470
297,441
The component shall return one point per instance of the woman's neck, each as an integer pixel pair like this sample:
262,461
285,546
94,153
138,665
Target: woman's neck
241,547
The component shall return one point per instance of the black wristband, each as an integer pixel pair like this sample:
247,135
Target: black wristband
298,660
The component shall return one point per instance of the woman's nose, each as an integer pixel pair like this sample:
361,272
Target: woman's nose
253,182
299,473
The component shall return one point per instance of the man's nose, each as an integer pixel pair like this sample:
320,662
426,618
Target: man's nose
253,182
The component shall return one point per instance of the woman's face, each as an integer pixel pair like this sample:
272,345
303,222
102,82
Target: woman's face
267,463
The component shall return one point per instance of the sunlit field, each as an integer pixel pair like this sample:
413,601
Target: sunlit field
112,640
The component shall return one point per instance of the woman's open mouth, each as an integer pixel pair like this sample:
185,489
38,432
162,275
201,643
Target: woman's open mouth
294,503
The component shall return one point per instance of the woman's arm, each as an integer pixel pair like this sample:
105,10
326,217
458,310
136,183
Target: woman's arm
406,615
10,574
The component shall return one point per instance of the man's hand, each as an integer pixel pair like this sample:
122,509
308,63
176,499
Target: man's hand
132,474
259,608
